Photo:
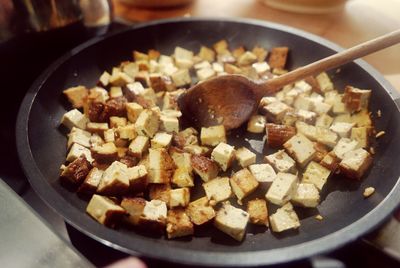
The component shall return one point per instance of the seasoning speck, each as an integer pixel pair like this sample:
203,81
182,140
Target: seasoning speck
368,191
379,113
319,217
380,134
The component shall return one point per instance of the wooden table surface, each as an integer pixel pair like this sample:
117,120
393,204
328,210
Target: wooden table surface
360,20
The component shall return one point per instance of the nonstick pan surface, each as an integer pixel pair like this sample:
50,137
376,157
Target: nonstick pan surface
347,215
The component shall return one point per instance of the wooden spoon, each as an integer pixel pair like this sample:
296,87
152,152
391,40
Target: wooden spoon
231,99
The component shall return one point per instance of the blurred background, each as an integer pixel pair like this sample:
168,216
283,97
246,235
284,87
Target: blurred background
35,33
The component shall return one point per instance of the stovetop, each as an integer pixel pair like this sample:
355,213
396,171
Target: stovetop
21,61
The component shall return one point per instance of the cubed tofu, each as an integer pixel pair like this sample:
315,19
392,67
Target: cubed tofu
361,135
218,189
284,218
356,99
161,140
277,135
232,221
79,136
324,82
307,130
200,211
96,139
161,166
223,154
243,183
355,163
181,78
76,95
154,216
300,148
169,124
277,57
205,73
105,78
282,188
281,162
264,173
134,207
197,150
202,65
105,211
115,180
324,120
178,223
206,168
91,183
261,67
116,92
179,197
120,79
117,121
218,67
316,174
342,129
147,123
275,111
109,135
306,195
321,108
133,111
330,161
245,157
212,136
139,56
326,137
105,153
183,177
160,192
260,52
306,116
139,146
303,103
247,58
127,132
75,173
361,118
256,124
98,128
258,211
74,118
161,83
183,58
343,146
137,176
76,151
206,54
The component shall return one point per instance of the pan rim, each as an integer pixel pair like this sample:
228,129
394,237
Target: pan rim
181,255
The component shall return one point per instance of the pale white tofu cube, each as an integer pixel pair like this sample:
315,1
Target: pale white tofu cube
275,111
127,132
133,111
307,130
284,218
202,64
342,129
324,120
281,162
306,195
360,134
74,118
115,92
154,214
324,82
104,210
261,67
326,137
343,146
205,73
243,183
303,103
76,151
256,124
303,87
316,174
355,163
218,189
212,136
232,221
109,135
321,108
138,147
245,157
169,124
137,178
161,140
300,148
115,180
339,107
79,136
105,78
217,67
282,188
263,173
181,78
179,197
136,88
223,154
306,116
182,53
147,123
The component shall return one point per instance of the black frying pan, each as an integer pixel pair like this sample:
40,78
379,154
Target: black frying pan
347,215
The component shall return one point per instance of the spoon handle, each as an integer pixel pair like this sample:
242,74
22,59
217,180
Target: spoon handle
332,61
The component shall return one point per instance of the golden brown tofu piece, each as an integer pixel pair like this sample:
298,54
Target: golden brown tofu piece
161,166
277,135
355,163
330,161
314,84
105,153
258,211
153,54
137,179
260,52
105,210
76,95
91,182
321,151
178,223
278,57
134,207
75,173
206,168
139,56
161,83
243,183
200,211
160,192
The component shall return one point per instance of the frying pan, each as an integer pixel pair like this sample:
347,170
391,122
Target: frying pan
347,215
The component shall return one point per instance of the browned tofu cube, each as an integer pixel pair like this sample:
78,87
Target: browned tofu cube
278,57
76,95
178,223
154,216
260,52
91,183
314,84
161,166
355,163
243,183
105,153
161,82
75,173
300,148
179,197
134,207
258,211
206,54
139,56
330,161
200,211
185,137
105,210
277,135
115,180
276,111
153,54
356,99
137,178
206,168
